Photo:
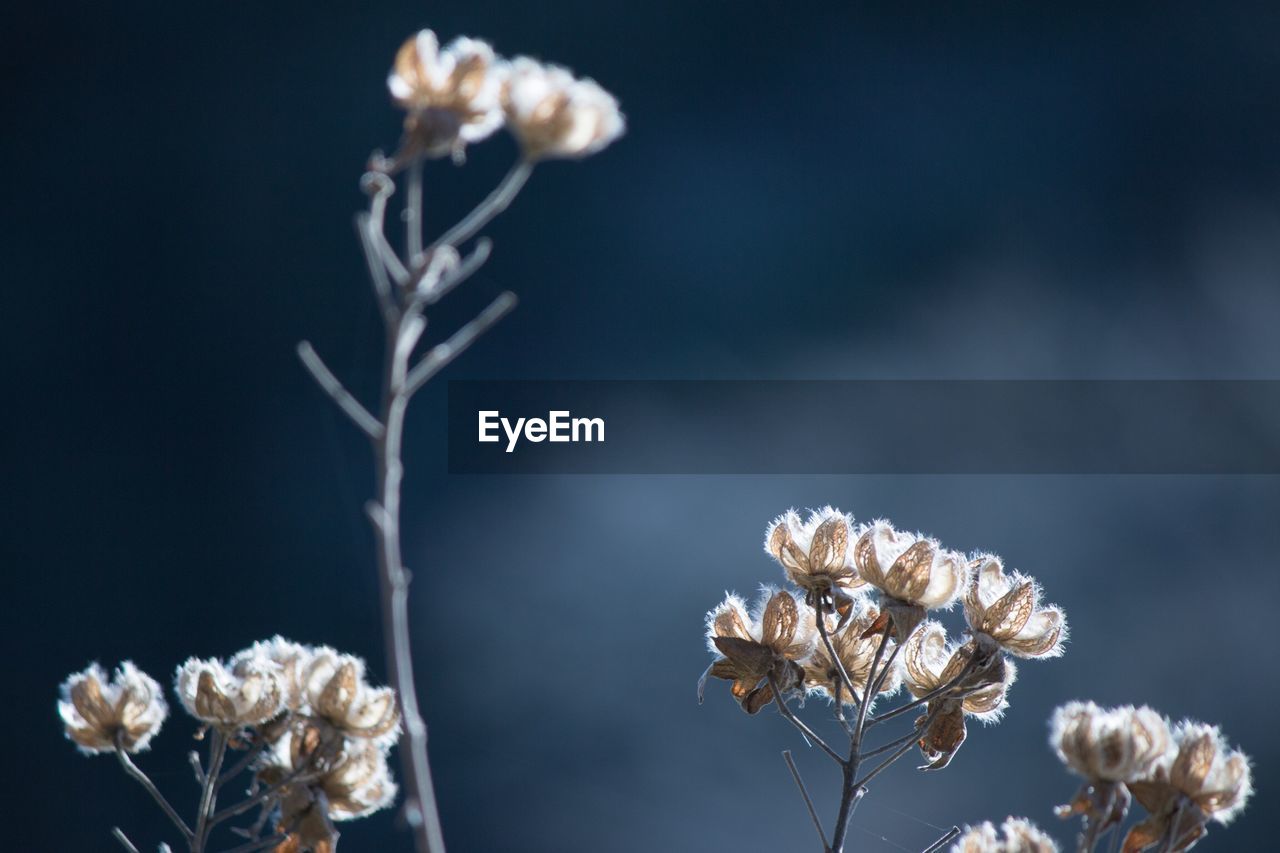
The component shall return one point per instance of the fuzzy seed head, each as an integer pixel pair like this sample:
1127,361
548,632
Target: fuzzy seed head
246,693
1007,608
1016,835
815,552
453,95
335,690
97,713
909,567
1109,744
553,114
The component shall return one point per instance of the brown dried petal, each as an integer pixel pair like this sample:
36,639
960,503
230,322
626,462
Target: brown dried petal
747,655
865,559
729,623
1009,615
1192,766
830,545
909,577
781,618
785,550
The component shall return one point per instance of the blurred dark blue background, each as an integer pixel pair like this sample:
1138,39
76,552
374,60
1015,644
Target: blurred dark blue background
807,190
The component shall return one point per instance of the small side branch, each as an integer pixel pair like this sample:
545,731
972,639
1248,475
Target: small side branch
441,354
329,383
118,835
952,835
496,202
145,781
809,733
808,801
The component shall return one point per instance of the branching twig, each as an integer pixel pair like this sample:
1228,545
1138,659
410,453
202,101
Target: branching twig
952,835
441,354
485,211
808,801
330,385
145,781
800,724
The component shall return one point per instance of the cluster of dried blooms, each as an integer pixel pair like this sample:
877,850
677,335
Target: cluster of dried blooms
463,92
856,630
1184,775
304,724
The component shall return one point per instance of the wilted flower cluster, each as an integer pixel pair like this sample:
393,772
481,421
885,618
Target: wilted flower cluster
837,566
1184,775
1015,835
463,92
318,732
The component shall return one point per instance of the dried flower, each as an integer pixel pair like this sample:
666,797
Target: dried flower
555,115
857,651
1017,835
815,555
980,681
245,694
453,95
289,659
1197,780
912,572
324,779
98,714
759,647
1107,747
335,690
1007,609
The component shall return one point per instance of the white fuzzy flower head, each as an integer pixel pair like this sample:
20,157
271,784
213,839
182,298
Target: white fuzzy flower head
247,693
930,661
360,783
815,552
1108,744
908,567
1199,779
755,648
1007,609
1016,835
453,95
553,114
98,714
979,683
335,690
289,659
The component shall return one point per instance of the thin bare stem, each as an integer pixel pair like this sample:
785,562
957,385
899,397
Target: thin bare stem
952,835
118,835
893,744
808,801
413,214
243,764
209,794
143,780
831,651
496,202
193,758
800,724
441,354
329,383
932,694
255,846
898,753
456,276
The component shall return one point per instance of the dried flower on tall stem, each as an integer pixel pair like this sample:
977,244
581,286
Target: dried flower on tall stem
316,734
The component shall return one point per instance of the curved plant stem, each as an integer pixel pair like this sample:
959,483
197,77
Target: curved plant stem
145,781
